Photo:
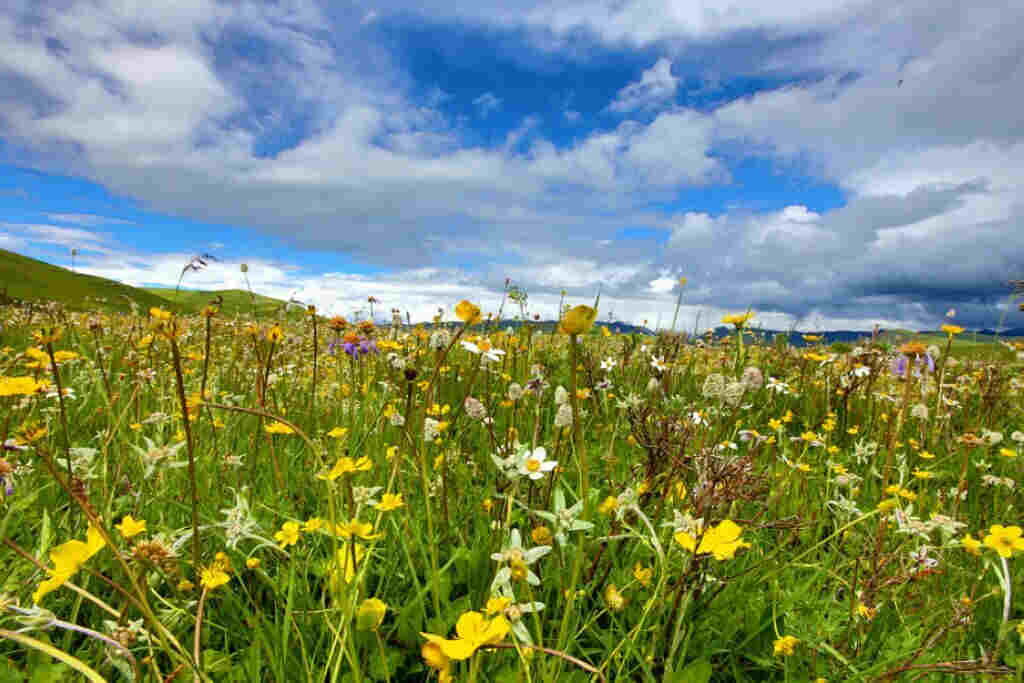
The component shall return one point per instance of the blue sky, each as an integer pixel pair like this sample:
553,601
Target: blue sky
828,164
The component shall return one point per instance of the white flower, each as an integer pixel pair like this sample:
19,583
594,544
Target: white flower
535,464
515,391
608,364
658,363
488,353
561,395
563,418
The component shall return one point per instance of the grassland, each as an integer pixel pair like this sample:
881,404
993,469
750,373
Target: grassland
218,497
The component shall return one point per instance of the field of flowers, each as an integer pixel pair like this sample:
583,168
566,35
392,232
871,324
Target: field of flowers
298,498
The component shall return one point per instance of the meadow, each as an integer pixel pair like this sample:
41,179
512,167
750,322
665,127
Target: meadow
218,496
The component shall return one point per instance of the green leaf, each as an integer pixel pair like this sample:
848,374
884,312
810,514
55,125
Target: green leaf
698,671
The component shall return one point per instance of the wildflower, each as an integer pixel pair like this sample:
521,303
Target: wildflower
714,386
435,659
363,530
313,524
347,465
658,363
67,559
608,364
722,540
348,560
338,433
370,614
20,386
752,378
288,535
609,505
865,612
213,577
784,645
1004,540
253,563
474,631
563,418
643,575
614,598
738,319
390,501
535,464
278,428
1007,453
467,312
275,334
541,535
577,320
130,527
952,330
185,586
971,544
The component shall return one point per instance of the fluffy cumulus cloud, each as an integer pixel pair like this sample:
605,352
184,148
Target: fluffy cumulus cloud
306,121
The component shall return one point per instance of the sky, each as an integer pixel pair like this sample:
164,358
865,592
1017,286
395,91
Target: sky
826,164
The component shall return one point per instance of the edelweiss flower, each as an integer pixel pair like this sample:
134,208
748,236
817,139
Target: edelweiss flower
535,464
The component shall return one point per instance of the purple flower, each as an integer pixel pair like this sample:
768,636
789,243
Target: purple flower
360,348
899,364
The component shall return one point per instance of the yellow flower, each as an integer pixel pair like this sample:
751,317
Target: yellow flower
775,425
159,313
278,428
541,535
468,312
130,527
496,605
722,540
390,501
253,563
1004,540
363,530
313,524
185,585
67,559
643,574
1007,453
737,319
20,386
952,329
288,535
614,598
610,505
435,659
371,613
578,320
784,645
213,577
348,561
473,631
338,433
275,334
347,465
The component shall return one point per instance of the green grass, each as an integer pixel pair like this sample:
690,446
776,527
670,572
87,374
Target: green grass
27,279
233,301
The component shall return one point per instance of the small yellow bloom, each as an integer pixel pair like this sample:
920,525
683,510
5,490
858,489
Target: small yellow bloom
952,329
253,563
784,645
213,577
390,501
130,527
185,586
737,319
467,312
1004,540
338,433
722,540
643,574
371,614
288,535
20,386
496,605
610,505
313,524
577,320
473,631
278,428
614,599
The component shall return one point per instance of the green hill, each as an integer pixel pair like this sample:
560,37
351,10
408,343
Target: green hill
27,279
233,301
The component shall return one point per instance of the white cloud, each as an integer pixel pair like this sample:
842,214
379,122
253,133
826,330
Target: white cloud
656,86
487,103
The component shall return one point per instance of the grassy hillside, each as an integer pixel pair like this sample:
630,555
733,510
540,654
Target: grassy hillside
27,279
234,301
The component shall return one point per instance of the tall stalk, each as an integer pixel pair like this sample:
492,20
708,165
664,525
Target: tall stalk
176,358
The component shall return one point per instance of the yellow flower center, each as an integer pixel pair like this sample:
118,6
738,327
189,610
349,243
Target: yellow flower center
533,464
